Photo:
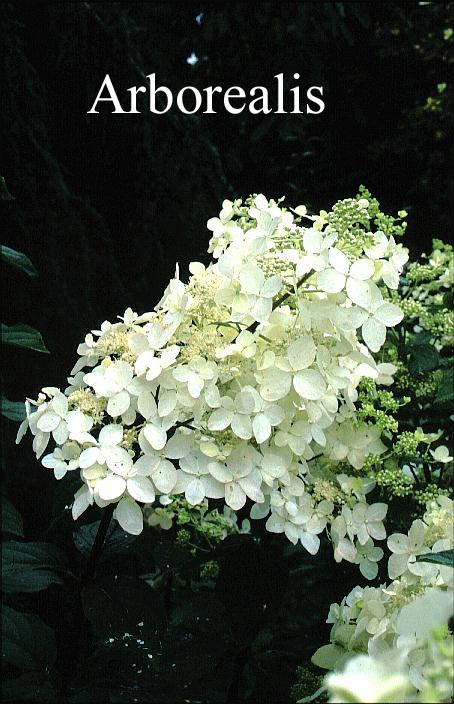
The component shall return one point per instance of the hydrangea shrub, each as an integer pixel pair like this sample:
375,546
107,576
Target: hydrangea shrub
295,375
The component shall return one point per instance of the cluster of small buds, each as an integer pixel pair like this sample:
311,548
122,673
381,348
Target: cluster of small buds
390,476
242,384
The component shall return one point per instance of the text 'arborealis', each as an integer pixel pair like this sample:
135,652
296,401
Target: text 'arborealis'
211,100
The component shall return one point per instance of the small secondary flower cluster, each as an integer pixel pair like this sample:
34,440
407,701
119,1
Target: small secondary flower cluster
398,618
243,383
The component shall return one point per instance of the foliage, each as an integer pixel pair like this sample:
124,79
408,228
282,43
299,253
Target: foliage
18,335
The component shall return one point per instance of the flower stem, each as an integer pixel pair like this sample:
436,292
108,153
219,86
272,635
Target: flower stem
98,543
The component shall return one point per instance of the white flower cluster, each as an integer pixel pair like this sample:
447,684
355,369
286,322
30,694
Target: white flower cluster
241,384
396,621
383,678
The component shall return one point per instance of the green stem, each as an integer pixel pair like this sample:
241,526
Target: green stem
287,294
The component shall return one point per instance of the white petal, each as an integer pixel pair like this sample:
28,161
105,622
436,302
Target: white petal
167,402
260,201
338,260
345,550
78,422
377,512
22,430
195,492
310,542
89,457
309,384
275,384
301,353
219,471
261,309
213,488
389,274
251,279
292,532
362,269
147,405
318,435
165,477
143,361
60,471
156,436
129,516
359,292
111,487
60,404
49,461
48,421
220,419
275,524
377,530
397,565
118,460
118,404
118,375
261,427
389,314
271,287
275,414
61,433
259,511
82,500
368,569
40,442
398,543
141,489
330,281
111,434
145,465
245,401
195,385
177,447
242,426
328,657
312,240
309,262
374,334
234,496
251,487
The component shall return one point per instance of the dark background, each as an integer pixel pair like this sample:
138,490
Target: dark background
104,205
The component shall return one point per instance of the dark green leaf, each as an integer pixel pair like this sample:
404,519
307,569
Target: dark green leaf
30,567
117,540
4,193
444,557
17,259
11,519
27,642
448,299
13,410
21,335
29,687
445,392
423,358
421,338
